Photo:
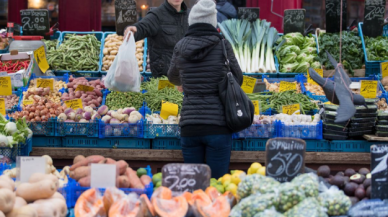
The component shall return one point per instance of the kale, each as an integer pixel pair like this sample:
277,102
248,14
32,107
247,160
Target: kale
376,48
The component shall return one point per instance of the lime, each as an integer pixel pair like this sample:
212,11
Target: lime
141,171
158,184
156,179
220,188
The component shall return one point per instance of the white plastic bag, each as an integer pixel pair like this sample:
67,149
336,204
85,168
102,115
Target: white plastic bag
124,75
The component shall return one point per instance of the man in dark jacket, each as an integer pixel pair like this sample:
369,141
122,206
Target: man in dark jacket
225,11
163,27
198,65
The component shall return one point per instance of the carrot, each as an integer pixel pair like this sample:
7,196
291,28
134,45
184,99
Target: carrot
78,158
121,167
123,181
145,180
133,179
85,181
80,172
87,161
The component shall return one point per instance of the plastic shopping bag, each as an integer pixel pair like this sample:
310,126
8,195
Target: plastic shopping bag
124,75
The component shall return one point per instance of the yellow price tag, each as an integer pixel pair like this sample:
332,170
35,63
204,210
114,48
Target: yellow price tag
28,102
290,109
168,109
257,106
40,57
41,82
284,86
248,84
84,88
368,89
329,103
384,69
74,104
2,106
165,83
5,86
311,81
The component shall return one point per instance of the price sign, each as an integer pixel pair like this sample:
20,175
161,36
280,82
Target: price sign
28,102
41,82
168,109
2,106
5,86
186,177
284,158
290,109
257,106
284,86
30,165
311,81
165,83
251,14
74,104
40,57
384,69
103,175
84,88
379,163
126,14
373,17
294,21
248,84
35,21
368,89
333,15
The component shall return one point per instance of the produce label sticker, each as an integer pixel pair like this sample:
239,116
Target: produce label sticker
5,86
248,84
28,102
2,106
28,166
290,109
41,82
284,86
40,57
311,81
168,109
103,175
368,89
384,69
257,106
74,104
165,83
84,88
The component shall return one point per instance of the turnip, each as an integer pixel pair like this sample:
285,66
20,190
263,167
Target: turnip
114,121
106,119
103,110
88,109
87,115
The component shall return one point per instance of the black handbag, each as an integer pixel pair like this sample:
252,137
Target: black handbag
239,109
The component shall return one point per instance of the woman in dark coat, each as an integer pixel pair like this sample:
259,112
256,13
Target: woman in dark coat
198,65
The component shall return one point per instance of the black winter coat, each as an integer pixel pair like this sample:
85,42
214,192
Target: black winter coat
163,27
198,65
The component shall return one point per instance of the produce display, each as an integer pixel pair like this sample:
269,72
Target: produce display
375,48
274,87
10,101
116,100
37,93
298,53
315,89
156,119
41,110
12,66
296,119
13,133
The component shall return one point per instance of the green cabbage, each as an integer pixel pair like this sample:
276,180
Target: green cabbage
303,57
284,50
294,38
309,42
309,50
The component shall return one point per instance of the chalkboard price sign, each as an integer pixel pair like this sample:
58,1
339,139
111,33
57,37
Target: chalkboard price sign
186,177
333,15
251,14
379,171
126,14
285,158
293,20
374,17
35,21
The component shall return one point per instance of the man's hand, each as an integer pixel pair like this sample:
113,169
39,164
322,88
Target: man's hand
130,30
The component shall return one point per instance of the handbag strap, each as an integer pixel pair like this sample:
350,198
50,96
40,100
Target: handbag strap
225,54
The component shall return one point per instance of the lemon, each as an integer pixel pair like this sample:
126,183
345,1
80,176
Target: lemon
261,171
255,166
226,183
250,171
220,179
233,171
232,188
226,177
235,179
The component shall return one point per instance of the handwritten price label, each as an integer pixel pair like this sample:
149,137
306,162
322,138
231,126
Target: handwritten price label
2,106
290,109
84,88
40,57
28,102
311,81
5,86
74,104
368,89
284,86
257,106
41,82
165,83
384,69
168,109
248,84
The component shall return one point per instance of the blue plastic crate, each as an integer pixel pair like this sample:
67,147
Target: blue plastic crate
258,131
80,142
254,144
56,35
278,79
121,130
300,131
351,145
77,129
46,141
317,145
125,143
18,150
4,166
74,190
43,128
152,131
169,144
237,145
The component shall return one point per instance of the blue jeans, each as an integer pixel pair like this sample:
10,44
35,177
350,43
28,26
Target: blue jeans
216,149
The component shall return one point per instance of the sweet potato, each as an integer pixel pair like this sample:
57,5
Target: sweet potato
110,161
122,181
80,172
121,167
24,211
19,202
87,161
145,180
133,179
78,158
7,200
35,191
85,181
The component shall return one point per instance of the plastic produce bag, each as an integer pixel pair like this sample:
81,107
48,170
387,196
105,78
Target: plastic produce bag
309,207
124,75
308,183
269,213
334,200
245,186
256,203
289,196
266,185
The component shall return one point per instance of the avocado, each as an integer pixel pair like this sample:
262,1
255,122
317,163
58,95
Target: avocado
349,172
354,200
338,180
368,190
340,174
350,188
357,178
324,171
364,171
367,183
347,179
359,193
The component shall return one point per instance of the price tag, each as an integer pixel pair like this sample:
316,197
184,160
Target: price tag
74,104
168,109
284,86
30,165
103,175
186,177
40,57
248,84
84,88
384,69
28,102
379,170
368,89
2,106
5,86
294,21
311,81
290,109
41,82
257,106
165,83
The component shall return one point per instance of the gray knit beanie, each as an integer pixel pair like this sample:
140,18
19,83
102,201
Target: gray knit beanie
203,12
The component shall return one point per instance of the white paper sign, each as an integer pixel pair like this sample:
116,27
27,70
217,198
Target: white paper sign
103,175
29,166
